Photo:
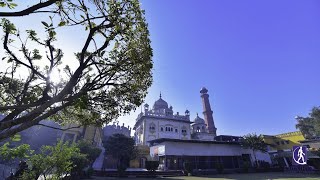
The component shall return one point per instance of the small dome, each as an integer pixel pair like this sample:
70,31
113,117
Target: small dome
203,90
146,105
199,120
160,104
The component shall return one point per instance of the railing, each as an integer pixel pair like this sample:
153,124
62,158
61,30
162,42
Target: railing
177,117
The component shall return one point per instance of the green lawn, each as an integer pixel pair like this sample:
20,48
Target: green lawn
250,176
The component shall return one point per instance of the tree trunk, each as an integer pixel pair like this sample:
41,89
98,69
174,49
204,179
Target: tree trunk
255,158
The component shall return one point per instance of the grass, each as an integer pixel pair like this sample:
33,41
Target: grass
249,176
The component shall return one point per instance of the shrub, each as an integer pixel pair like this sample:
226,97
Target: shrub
90,172
152,165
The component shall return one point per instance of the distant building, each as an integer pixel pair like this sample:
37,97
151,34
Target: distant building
174,139
109,130
280,146
39,135
313,144
92,134
109,162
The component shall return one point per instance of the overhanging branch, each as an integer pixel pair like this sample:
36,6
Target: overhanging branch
29,10
58,128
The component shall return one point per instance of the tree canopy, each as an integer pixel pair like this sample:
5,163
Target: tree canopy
121,148
108,77
254,142
310,125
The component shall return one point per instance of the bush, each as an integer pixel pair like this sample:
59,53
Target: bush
152,165
90,172
79,162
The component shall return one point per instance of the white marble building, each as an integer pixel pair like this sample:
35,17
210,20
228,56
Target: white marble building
160,122
174,138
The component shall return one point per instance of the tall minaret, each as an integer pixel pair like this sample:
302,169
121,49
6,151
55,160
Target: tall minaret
207,112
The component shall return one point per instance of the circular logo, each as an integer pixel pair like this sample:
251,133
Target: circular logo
299,155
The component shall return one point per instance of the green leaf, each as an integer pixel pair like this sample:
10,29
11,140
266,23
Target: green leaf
2,4
45,24
62,23
52,33
12,5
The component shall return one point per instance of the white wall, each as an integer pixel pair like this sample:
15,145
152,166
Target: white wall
259,155
165,134
204,149
200,149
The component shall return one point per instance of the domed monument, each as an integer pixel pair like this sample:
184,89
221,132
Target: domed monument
173,139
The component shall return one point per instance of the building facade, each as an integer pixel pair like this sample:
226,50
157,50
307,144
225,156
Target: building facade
174,138
280,146
91,134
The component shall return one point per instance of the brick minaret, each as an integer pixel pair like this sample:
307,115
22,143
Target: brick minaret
207,112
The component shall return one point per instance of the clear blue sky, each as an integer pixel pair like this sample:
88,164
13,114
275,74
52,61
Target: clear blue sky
259,60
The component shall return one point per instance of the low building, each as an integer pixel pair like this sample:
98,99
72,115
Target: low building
110,130
172,153
280,146
92,134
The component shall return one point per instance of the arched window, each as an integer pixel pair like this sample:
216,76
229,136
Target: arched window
152,127
198,129
184,131
169,128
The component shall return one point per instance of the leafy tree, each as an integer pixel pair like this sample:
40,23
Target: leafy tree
309,126
108,77
91,152
88,154
254,142
53,160
122,148
79,161
8,153
11,153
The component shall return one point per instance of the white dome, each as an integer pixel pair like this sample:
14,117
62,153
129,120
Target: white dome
160,104
199,120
